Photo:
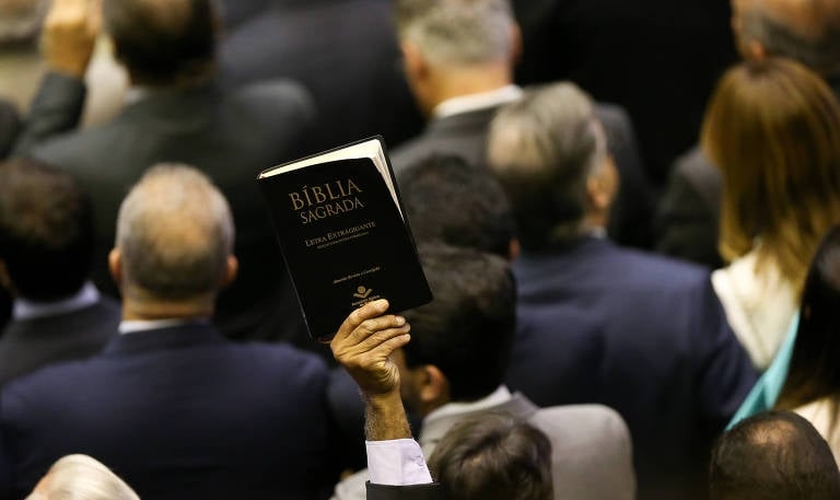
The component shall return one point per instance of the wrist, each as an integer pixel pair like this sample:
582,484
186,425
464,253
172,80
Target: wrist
385,417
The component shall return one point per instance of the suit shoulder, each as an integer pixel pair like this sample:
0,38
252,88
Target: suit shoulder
282,357
646,266
287,97
598,419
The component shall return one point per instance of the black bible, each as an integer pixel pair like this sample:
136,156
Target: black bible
344,234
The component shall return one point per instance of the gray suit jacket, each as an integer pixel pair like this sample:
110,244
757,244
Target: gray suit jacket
465,135
592,457
230,136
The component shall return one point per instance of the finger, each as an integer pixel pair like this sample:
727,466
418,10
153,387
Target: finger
360,315
372,343
372,326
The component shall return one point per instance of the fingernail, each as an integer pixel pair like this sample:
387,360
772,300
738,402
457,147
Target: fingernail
382,304
400,320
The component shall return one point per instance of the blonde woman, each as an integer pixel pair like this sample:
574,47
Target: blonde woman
773,128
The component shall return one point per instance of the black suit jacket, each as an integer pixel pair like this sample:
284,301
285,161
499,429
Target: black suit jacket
229,136
178,413
642,334
416,492
9,127
656,58
343,51
689,213
465,135
28,345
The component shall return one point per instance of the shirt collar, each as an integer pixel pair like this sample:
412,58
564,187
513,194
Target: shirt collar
25,309
134,326
475,102
499,396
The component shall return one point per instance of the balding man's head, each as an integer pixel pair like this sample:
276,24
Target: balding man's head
805,30
164,42
174,237
773,456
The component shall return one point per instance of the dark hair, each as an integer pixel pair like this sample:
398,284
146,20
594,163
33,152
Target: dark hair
493,457
814,372
466,331
773,456
449,200
46,230
164,42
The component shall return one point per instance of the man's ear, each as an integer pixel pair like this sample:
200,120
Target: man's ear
414,64
433,386
5,279
516,44
231,270
602,187
514,249
115,266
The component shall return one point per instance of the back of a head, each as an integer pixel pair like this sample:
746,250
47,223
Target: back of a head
20,20
466,331
80,477
780,163
493,457
164,42
448,200
773,456
457,32
175,234
543,149
814,373
46,230
807,31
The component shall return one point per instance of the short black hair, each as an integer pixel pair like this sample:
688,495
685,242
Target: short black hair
773,456
467,330
164,42
493,457
449,200
46,230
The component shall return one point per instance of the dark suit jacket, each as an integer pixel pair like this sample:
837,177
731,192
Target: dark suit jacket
229,136
28,345
657,58
465,135
416,492
689,214
660,352
9,127
178,413
344,52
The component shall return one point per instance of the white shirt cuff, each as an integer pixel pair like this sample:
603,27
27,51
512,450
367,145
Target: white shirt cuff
397,462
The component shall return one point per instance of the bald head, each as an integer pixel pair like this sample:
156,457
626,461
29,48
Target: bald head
164,42
807,31
773,456
174,236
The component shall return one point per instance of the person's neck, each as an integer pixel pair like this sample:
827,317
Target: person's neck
152,310
450,83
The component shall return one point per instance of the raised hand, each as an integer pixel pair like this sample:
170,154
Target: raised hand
69,36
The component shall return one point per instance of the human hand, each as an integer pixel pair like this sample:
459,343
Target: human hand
69,36
363,346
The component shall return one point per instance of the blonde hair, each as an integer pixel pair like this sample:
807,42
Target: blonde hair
773,128
80,477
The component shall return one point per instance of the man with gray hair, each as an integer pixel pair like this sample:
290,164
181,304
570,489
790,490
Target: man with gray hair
172,406
666,358
807,31
459,57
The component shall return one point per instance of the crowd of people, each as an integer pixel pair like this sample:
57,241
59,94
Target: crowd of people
633,243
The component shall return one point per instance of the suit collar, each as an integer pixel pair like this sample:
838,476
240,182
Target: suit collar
434,428
175,337
532,265
172,101
462,123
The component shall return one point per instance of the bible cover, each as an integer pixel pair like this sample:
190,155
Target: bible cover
343,232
